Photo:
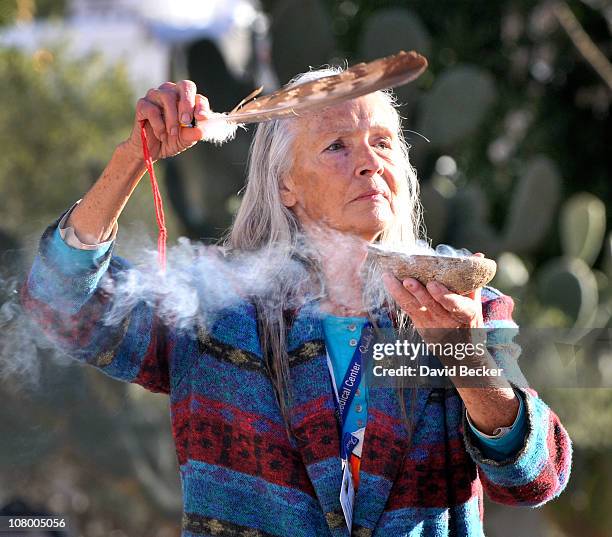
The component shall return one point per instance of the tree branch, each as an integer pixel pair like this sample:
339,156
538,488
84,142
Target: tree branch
583,42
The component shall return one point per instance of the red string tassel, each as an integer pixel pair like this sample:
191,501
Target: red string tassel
159,206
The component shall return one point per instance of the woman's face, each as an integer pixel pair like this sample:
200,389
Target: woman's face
345,170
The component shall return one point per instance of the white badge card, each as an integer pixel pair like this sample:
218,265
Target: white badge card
347,495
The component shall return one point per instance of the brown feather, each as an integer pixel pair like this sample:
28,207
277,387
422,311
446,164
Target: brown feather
359,80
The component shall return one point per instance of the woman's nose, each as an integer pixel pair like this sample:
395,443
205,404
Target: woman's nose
368,163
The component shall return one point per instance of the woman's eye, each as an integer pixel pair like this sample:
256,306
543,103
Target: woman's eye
383,144
334,147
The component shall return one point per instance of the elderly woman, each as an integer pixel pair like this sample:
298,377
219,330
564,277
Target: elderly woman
266,446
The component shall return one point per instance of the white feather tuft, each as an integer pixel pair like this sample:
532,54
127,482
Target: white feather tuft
217,129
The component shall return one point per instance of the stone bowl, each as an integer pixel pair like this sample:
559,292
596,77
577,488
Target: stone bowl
459,274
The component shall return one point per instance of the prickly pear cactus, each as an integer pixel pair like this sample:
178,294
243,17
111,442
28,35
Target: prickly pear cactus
460,99
568,284
300,41
390,30
533,206
583,226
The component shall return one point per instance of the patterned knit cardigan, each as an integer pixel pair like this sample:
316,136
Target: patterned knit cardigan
240,473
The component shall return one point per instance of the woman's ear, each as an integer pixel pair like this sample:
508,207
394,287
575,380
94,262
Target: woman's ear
287,193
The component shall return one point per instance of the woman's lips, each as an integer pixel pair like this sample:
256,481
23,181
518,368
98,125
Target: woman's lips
371,195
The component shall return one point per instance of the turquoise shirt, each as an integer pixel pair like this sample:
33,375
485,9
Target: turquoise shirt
75,260
341,338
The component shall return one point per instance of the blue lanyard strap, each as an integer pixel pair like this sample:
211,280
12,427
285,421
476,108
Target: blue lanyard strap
345,393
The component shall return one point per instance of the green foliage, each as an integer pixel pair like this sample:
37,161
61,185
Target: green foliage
300,41
50,8
456,105
390,30
436,213
583,226
608,255
584,508
461,215
569,284
9,9
60,121
533,206
122,457
511,272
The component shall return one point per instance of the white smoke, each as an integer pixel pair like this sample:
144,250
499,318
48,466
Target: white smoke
20,338
200,282
423,247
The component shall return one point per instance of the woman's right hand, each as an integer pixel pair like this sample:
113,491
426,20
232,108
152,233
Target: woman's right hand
163,109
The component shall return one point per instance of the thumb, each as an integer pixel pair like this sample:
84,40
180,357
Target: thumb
189,136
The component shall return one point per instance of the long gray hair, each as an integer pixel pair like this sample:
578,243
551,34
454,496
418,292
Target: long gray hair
263,223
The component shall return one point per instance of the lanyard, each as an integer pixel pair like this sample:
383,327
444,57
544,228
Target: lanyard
343,396
343,399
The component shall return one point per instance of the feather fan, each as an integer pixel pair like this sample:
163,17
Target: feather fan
361,79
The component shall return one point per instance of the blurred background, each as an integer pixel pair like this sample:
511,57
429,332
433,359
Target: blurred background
516,107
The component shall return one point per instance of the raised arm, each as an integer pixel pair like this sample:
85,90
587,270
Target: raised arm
64,294
163,109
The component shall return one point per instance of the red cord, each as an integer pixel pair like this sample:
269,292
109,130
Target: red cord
159,206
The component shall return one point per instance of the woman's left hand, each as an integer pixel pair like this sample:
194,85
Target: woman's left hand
435,306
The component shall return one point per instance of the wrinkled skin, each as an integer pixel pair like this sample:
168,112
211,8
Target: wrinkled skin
340,154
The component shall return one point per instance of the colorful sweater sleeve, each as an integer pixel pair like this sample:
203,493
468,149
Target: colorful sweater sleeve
64,295
540,469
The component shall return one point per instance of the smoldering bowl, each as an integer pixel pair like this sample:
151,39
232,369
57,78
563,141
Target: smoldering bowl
459,274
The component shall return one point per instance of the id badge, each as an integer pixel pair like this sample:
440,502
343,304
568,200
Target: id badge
347,495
